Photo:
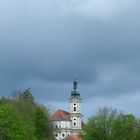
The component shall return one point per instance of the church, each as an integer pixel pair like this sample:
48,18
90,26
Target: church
68,125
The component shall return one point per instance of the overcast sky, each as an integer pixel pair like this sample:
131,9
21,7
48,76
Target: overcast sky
43,43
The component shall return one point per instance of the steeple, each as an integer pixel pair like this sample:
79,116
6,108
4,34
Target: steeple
75,91
75,109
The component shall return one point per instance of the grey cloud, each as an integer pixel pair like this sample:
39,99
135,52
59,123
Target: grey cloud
43,43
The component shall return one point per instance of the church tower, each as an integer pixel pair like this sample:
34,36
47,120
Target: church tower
68,125
75,109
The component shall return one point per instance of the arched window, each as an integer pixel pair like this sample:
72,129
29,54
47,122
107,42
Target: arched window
63,135
74,123
74,108
56,135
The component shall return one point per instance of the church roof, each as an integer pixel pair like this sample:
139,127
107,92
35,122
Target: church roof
60,115
73,137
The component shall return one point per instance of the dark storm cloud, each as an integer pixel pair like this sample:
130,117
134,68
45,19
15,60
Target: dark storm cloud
43,43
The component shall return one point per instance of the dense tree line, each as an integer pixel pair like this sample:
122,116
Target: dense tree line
110,124
21,118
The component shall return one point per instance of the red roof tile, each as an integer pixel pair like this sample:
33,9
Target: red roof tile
60,115
73,137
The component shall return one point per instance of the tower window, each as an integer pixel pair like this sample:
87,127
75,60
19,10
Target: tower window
74,104
56,135
74,108
63,135
74,123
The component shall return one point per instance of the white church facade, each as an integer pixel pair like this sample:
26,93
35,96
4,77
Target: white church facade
69,124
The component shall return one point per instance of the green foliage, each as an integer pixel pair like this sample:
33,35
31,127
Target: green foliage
109,124
12,126
21,118
125,128
3,101
43,129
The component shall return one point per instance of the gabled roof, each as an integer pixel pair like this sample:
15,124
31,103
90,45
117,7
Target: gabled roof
73,137
60,115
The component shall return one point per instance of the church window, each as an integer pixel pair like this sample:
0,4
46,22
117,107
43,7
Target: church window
74,119
74,104
74,123
56,135
63,135
74,109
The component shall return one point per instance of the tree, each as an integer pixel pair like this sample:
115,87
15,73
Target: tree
12,125
21,118
3,101
109,124
126,127
26,95
99,125
42,124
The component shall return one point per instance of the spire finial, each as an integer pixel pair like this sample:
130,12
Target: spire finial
75,84
75,77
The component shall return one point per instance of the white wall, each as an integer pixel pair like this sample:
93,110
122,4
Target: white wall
64,129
